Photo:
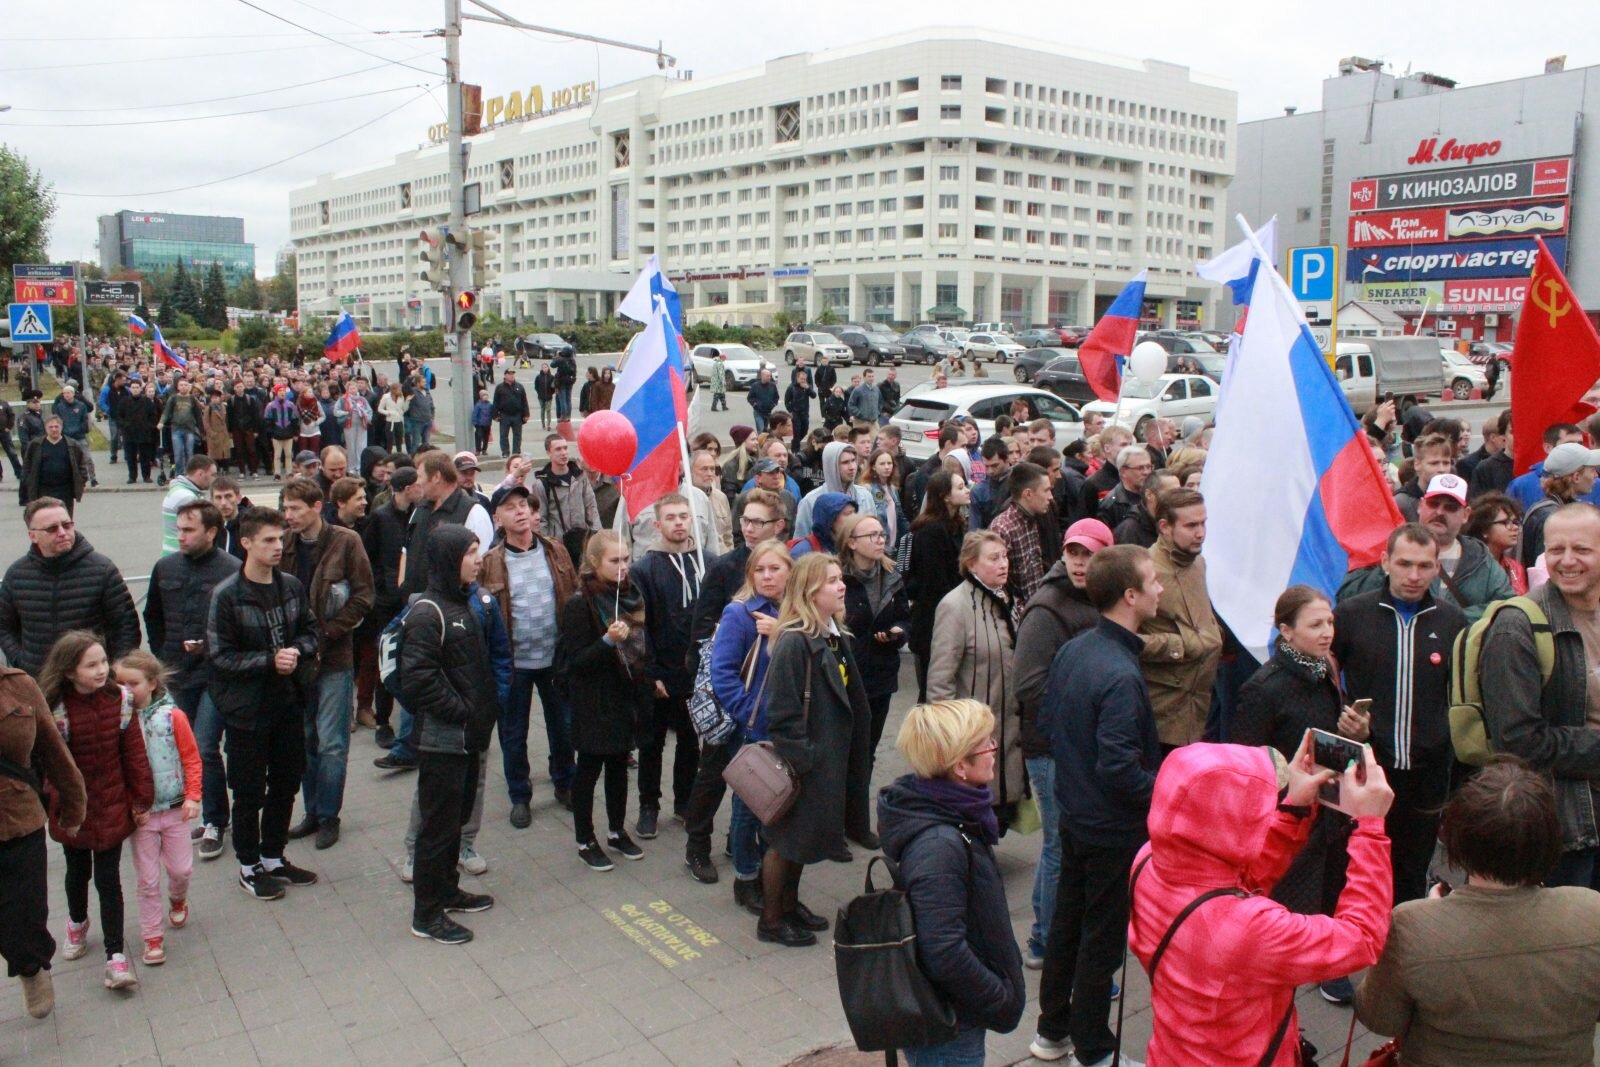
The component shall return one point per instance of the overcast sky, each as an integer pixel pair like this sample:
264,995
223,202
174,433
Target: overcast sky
88,57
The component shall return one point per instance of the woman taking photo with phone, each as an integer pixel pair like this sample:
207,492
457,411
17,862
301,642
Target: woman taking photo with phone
1295,691
819,723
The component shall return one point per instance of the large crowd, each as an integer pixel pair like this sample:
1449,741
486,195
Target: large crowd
326,568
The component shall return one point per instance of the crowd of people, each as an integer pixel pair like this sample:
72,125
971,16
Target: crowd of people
1071,678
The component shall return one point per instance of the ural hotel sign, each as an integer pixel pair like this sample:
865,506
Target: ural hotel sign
479,114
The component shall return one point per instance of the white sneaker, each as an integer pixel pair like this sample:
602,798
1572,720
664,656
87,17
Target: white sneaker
1105,1061
406,868
1045,1049
471,862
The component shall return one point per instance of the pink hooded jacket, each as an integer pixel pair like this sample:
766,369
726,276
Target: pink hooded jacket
1231,970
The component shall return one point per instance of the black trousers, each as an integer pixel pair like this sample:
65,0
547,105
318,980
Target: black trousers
447,787
705,798
616,773
1088,935
105,866
264,769
25,939
140,457
1413,824
670,714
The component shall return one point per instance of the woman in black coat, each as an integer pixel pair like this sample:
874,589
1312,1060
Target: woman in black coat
1295,691
601,651
818,722
877,614
939,824
137,414
797,400
935,561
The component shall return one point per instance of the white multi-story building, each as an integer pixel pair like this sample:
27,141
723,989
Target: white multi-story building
949,173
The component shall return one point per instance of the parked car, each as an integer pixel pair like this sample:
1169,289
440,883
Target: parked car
741,364
921,413
991,327
994,347
1064,377
1483,351
1038,338
814,345
544,346
1462,375
1072,336
1171,396
921,347
1358,377
1179,343
1031,362
956,335
872,347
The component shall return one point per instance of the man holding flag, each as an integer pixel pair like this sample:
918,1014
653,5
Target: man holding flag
343,339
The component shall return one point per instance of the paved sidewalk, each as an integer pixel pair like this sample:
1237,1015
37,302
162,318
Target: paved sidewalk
639,966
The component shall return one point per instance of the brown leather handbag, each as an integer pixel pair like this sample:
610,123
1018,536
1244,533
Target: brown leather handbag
762,778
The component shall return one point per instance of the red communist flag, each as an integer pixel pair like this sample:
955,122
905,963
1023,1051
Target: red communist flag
1557,360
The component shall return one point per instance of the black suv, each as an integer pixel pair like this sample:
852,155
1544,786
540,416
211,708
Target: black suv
870,346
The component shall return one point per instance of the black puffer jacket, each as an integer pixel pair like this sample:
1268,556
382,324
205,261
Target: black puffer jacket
964,939
136,419
41,599
240,647
175,611
444,657
1057,612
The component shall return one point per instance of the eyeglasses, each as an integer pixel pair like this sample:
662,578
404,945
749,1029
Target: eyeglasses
65,524
988,750
745,520
876,536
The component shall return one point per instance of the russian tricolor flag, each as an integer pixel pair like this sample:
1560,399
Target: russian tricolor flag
1293,493
166,354
650,395
137,325
343,339
1106,349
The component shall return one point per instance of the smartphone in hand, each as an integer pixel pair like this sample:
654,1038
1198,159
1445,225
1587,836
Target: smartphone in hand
1336,753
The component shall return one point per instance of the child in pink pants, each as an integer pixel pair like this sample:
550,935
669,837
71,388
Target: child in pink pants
161,838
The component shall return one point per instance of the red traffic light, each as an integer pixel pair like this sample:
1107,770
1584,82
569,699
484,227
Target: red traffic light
467,300
466,317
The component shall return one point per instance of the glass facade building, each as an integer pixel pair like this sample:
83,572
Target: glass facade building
158,242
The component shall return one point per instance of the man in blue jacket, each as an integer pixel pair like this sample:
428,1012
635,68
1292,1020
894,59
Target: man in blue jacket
1102,734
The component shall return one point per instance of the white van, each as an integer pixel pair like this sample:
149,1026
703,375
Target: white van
1358,376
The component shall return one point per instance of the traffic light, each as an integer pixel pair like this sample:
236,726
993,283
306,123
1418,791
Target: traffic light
483,269
432,257
466,310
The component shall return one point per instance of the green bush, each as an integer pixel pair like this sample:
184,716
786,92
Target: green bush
257,335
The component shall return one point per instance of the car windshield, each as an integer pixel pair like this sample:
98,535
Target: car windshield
1139,389
1198,343
548,339
735,352
921,410
1212,365
1452,356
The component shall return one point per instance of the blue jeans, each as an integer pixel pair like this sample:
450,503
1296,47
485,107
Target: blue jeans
1042,777
966,1050
760,418
514,732
401,749
182,449
564,402
327,717
748,844
207,724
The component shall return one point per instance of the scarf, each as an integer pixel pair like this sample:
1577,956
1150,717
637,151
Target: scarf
881,585
1180,557
1315,666
611,603
1002,603
973,803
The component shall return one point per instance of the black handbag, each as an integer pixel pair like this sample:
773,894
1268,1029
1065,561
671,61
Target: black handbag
889,1003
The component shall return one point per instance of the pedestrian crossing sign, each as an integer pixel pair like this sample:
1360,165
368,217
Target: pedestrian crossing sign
31,323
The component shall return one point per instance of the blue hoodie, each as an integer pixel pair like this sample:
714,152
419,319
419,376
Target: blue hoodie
824,513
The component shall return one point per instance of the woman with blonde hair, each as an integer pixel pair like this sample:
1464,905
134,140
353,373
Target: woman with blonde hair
819,723
877,614
938,823
974,636
602,642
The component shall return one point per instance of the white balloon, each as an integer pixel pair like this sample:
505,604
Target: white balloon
1148,361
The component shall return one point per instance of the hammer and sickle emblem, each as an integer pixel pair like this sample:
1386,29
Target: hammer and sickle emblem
1550,305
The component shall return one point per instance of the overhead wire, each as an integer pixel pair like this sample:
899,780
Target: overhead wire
201,118
215,36
253,170
206,100
299,26
170,59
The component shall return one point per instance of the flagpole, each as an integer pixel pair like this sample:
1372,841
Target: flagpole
694,517
1427,302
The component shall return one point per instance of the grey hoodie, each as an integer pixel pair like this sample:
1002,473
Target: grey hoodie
832,483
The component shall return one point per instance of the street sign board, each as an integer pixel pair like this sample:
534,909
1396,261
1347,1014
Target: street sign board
1311,272
31,323
127,295
48,283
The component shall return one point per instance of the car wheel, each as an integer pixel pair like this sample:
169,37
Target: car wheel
788,357
873,359
728,380
1021,374
1461,388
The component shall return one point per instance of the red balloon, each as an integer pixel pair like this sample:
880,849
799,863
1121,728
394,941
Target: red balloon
607,441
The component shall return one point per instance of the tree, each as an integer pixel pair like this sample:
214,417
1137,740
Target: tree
282,290
167,317
26,207
182,294
829,317
214,299
247,294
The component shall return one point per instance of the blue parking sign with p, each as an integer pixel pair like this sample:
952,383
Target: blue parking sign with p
1311,273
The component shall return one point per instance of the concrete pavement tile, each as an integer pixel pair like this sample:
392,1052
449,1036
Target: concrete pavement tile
416,1042
520,1050
594,1033
517,973
782,1016
734,984
555,1003
281,1003
366,1018
375,984
287,1044
469,1026
117,1043
643,1055
235,1050
181,1028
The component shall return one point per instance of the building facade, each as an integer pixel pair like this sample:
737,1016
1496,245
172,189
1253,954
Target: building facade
156,242
1434,194
942,173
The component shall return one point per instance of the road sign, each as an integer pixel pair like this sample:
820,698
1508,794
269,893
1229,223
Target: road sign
47,283
1311,272
31,323
127,295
